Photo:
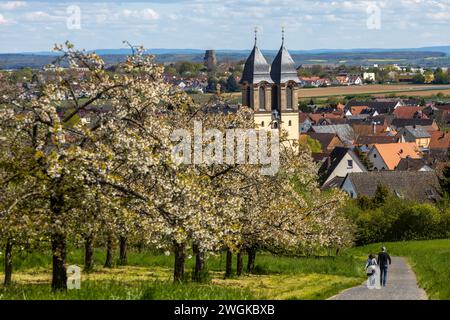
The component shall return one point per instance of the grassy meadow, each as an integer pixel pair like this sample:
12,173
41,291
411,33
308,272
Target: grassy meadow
149,275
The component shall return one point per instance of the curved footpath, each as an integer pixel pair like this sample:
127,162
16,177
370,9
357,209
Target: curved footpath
401,285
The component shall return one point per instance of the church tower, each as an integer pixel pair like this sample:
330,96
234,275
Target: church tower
271,91
256,86
285,91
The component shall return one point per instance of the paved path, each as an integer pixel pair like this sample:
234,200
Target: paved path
401,285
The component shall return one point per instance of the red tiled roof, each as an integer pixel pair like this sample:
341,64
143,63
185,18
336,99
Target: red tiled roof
407,112
439,140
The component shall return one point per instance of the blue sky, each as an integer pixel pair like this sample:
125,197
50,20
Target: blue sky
226,24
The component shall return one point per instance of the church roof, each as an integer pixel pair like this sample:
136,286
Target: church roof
256,68
283,67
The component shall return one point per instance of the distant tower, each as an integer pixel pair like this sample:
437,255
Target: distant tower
210,60
271,91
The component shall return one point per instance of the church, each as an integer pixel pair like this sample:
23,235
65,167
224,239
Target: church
272,90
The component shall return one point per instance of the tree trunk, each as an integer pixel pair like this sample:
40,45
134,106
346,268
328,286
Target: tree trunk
89,252
199,270
59,277
239,264
8,262
229,264
251,259
180,257
123,261
109,253
141,246
58,240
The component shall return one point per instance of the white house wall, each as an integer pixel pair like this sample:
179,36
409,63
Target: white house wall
377,162
342,169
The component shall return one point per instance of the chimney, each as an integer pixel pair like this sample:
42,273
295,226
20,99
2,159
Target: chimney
374,128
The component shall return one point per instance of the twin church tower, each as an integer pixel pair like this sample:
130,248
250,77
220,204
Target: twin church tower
271,91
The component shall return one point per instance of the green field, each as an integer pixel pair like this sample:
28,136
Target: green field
149,275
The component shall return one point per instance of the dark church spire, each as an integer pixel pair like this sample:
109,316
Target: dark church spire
256,68
283,66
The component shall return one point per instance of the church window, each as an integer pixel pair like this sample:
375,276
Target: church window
262,98
248,97
289,97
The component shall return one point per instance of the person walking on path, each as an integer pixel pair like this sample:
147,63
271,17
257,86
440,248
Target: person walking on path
384,260
373,273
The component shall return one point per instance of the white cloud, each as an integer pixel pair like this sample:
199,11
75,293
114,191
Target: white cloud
3,20
439,16
37,16
145,14
12,5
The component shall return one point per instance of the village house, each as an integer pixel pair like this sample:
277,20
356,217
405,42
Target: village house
382,107
357,110
344,131
369,76
409,112
328,141
439,146
438,112
305,123
439,141
420,186
417,134
409,164
387,156
365,143
314,81
338,164
427,124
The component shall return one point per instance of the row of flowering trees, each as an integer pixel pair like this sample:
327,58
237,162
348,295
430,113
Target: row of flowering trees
114,176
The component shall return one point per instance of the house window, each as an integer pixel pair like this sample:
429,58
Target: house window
290,123
374,155
275,125
351,194
262,124
349,164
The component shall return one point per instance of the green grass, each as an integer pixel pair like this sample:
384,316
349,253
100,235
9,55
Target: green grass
149,276
115,290
429,259
265,263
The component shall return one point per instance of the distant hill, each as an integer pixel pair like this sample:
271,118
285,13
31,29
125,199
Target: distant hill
162,51
426,57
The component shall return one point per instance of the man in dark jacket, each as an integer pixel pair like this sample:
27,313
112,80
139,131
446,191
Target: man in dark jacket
384,260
